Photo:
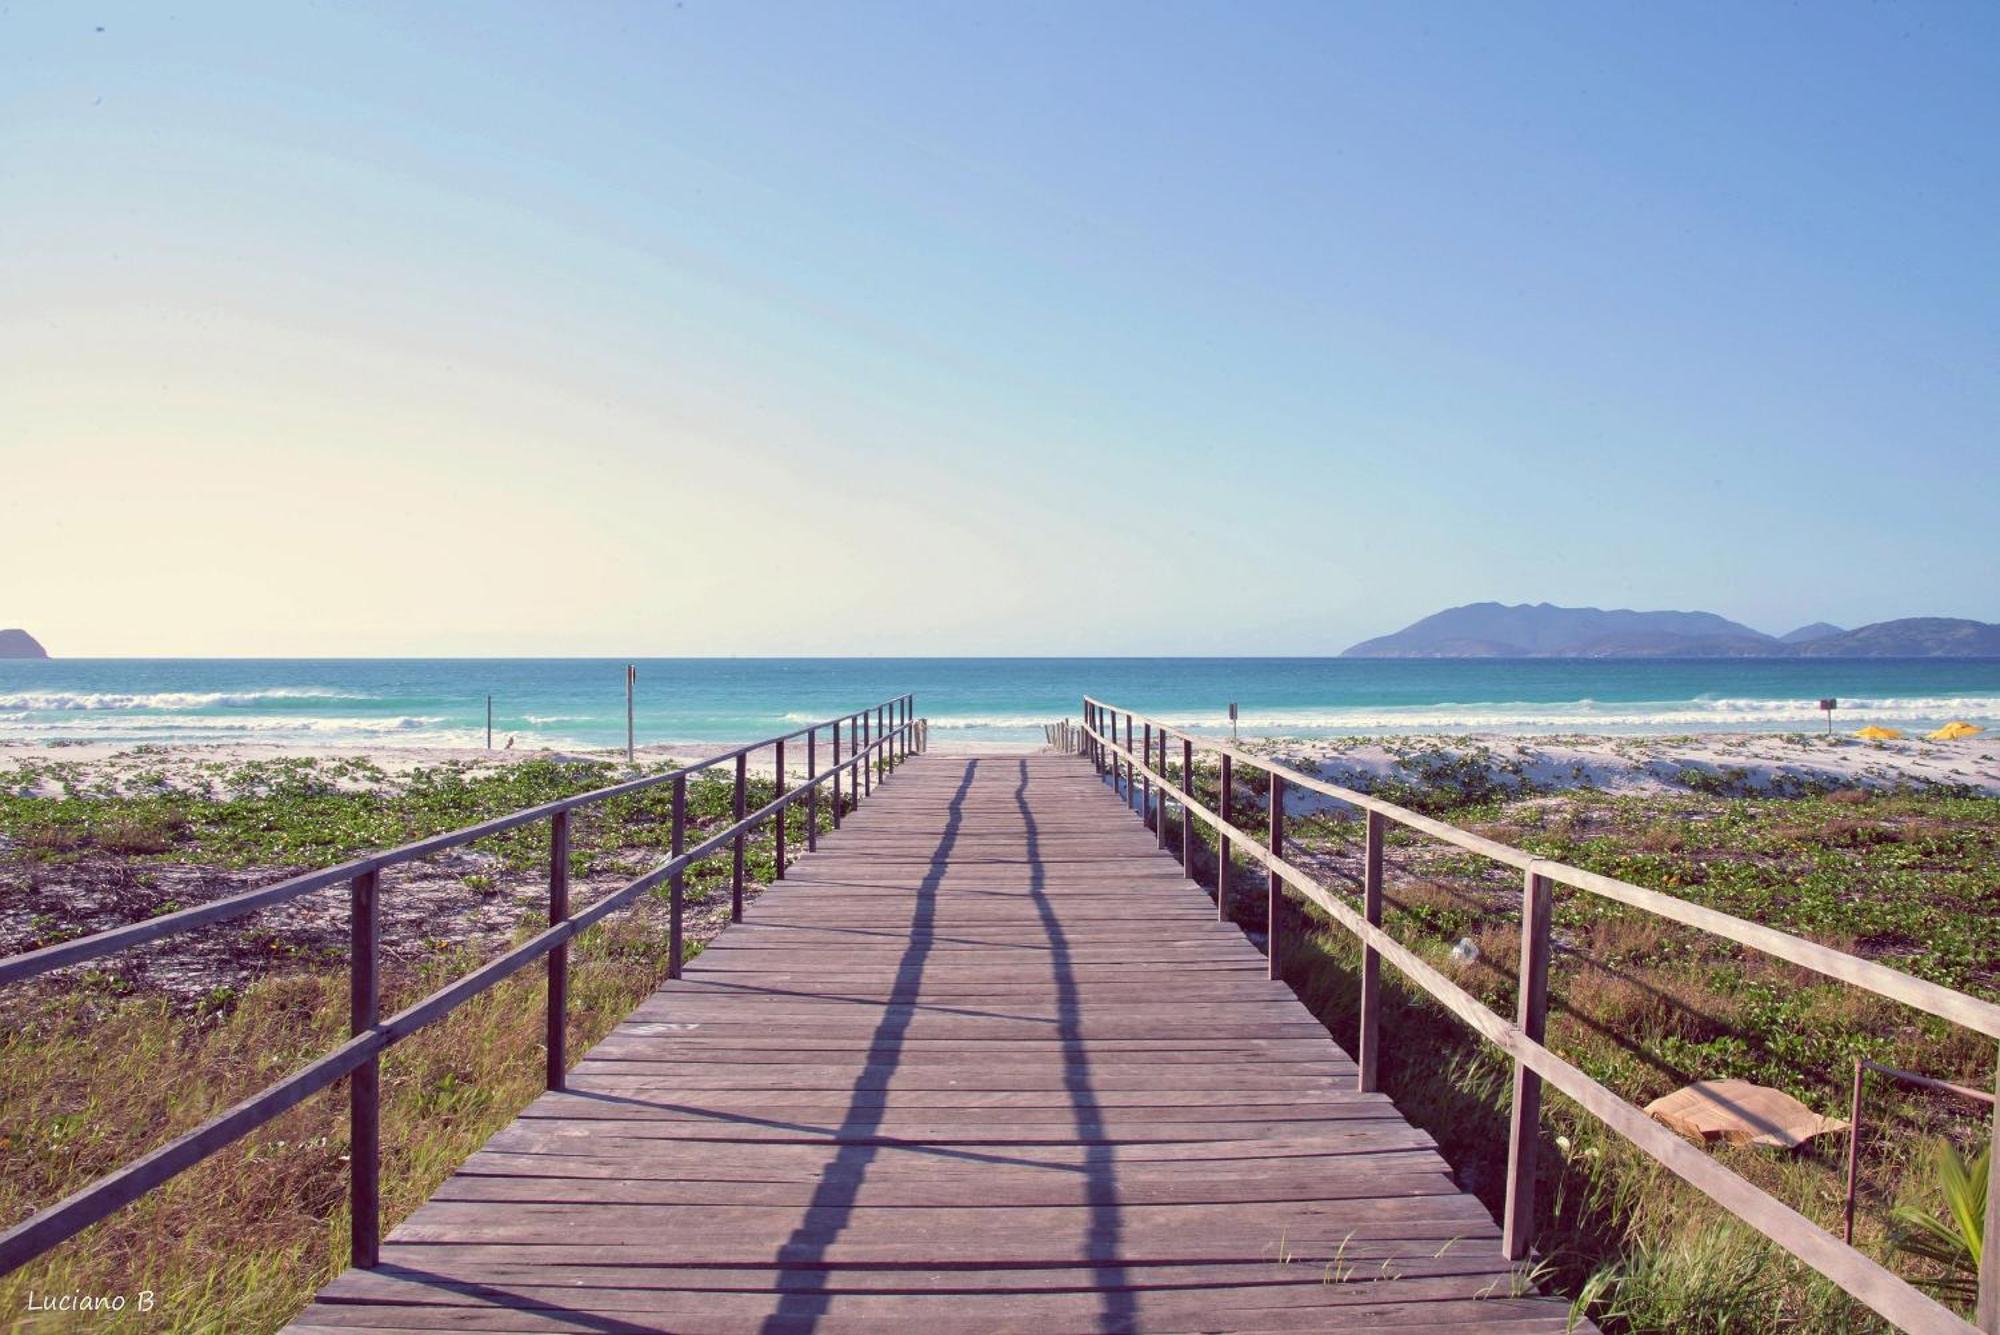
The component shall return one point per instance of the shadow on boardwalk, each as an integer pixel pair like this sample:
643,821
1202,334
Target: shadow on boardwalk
985,1062
832,1204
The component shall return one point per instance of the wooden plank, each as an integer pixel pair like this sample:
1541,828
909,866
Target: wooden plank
930,1084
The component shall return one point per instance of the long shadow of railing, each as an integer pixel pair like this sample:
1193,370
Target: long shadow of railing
800,1259
1101,1169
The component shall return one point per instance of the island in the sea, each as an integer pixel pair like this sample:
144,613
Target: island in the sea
1543,630
17,643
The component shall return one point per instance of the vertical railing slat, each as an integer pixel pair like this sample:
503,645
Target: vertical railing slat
677,883
1222,842
1370,1045
741,809
1131,778
1987,1308
778,816
812,789
556,1038
1145,780
1525,1121
1187,821
364,1093
1274,887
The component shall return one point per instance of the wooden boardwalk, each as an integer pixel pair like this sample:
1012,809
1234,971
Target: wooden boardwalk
985,1062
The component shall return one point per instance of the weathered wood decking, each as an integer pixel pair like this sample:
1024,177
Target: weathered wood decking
986,1062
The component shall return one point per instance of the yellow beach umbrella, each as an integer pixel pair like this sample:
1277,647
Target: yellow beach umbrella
1952,731
1877,734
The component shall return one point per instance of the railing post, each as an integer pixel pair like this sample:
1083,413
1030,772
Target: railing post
1853,1155
558,958
1187,796
1160,819
812,789
1274,888
778,816
736,880
1131,776
1222,844
865,749
364,1092
1525,1124
1146,781
1987,1313
677,883
1369,1056
836,774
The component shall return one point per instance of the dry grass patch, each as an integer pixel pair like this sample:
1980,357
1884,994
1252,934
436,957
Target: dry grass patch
241,1241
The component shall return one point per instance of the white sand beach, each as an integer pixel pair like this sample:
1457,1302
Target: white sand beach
121,764
1726,762
1774,762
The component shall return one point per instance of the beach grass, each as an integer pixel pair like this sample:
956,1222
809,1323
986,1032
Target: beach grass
94,1072
1646,1006
95,1069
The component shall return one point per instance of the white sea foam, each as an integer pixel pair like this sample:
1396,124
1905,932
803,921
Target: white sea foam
1722,714
167,725
169,700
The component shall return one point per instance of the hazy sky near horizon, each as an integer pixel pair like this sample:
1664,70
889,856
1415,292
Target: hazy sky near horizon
1024,328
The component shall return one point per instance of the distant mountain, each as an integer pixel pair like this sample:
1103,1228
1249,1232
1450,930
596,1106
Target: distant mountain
20,644
1911,637
1542,630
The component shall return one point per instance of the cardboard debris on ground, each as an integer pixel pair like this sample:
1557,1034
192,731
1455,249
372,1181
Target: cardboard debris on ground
1741,1113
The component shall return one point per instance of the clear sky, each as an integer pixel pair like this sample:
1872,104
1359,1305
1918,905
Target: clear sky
710,328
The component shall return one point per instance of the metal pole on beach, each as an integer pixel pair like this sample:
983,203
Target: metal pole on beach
489,723
631,680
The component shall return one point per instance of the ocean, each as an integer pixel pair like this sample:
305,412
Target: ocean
581,703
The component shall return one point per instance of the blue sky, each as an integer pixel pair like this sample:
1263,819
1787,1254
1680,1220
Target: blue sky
1157,328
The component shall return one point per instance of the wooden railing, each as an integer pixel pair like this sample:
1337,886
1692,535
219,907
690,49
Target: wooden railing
1132,768
878,738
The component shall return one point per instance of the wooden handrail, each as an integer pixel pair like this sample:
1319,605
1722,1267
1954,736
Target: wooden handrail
1857,1274
372,1036
1943,1002
15,968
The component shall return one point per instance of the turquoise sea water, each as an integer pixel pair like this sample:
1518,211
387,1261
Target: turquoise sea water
580,702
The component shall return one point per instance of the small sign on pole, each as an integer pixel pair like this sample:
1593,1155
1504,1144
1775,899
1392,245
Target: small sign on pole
1232,720
1827,707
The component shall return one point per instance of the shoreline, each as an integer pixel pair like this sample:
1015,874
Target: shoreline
1725,764
1745,762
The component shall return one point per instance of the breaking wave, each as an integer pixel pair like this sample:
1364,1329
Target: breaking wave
174,725
1723,714
167,700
